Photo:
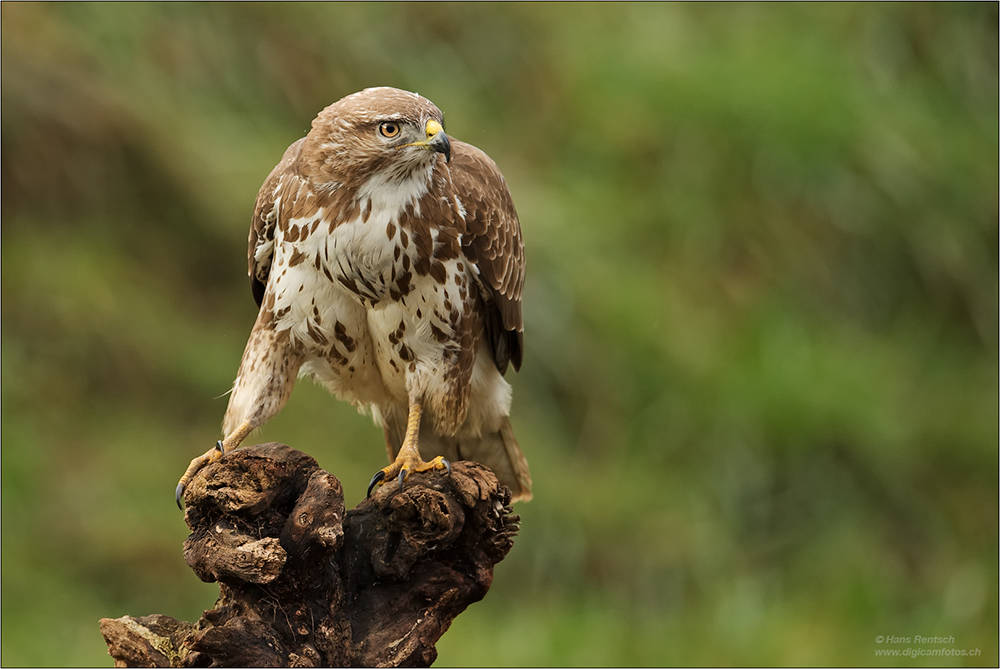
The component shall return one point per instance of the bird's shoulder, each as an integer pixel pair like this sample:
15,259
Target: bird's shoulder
288,196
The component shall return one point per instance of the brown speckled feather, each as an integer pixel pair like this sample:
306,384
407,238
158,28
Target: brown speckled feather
492,241
494,244
365,244
264,219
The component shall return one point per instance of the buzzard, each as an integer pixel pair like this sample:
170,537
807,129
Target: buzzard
387,261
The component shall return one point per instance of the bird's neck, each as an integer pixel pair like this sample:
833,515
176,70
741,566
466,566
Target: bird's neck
395,191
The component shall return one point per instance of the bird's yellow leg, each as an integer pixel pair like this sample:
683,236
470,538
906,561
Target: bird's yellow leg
222,447
408,459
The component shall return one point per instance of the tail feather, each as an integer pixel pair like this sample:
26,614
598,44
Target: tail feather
497,450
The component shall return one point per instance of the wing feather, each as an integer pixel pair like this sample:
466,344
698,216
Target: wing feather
260,252
493,242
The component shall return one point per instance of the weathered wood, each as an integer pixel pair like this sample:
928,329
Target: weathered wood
303,584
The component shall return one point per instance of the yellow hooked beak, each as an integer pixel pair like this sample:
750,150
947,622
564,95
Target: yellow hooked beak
436,140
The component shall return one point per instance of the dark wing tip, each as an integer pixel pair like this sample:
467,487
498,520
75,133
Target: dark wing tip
257,288
517,350
507,345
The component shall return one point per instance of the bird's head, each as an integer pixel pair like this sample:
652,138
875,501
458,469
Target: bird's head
384,131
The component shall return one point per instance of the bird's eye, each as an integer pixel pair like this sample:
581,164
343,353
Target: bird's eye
388,129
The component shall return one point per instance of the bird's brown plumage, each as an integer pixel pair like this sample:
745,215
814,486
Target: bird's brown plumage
381,251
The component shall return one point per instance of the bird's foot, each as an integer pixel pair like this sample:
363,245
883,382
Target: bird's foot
403,466
208,457
221,447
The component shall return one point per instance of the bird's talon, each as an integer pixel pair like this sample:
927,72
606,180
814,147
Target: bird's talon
402,475
179,496
220,448
378,478
447,465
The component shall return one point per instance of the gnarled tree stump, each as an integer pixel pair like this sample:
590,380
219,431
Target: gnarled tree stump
303,584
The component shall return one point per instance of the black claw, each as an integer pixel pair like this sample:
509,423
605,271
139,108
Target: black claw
447,465
179,496
402,475
218,447
378,478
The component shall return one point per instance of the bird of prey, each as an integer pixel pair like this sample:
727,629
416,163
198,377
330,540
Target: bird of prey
387,261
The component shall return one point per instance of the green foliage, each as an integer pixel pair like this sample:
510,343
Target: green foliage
759,395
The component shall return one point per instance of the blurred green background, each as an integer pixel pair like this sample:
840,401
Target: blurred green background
760,390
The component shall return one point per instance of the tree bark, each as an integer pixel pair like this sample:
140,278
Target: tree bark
304,584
